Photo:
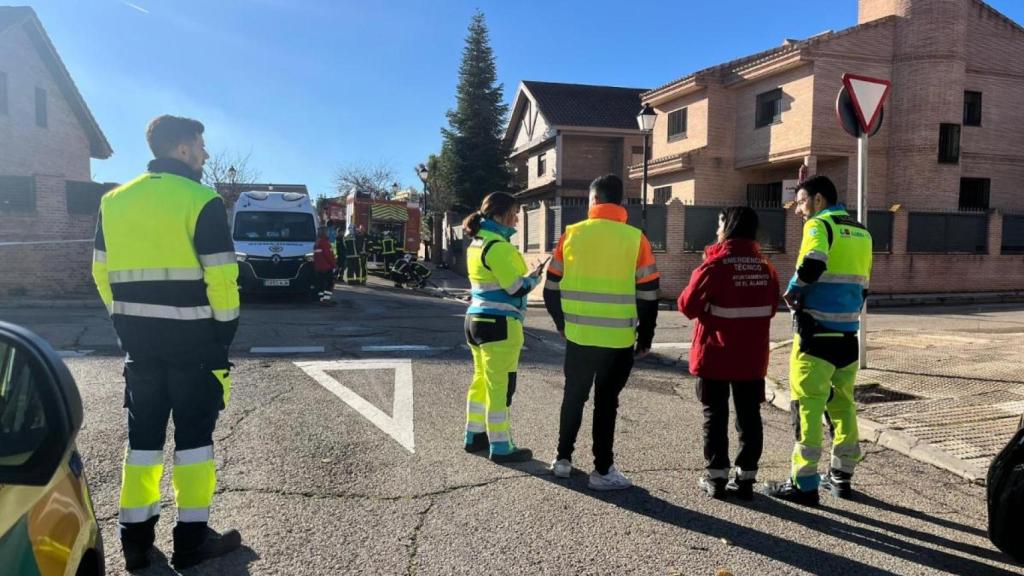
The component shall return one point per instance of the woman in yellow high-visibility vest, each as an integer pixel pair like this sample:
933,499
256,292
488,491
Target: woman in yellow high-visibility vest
494,326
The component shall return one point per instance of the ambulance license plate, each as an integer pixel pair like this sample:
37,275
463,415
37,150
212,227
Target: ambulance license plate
277,282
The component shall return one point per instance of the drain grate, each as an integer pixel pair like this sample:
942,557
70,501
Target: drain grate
878,394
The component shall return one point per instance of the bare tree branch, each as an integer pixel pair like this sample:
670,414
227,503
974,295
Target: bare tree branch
217,166
378,180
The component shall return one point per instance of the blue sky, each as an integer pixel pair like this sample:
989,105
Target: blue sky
308,86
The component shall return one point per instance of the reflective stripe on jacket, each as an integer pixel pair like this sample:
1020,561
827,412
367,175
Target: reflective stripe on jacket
497,274
836,297
733,296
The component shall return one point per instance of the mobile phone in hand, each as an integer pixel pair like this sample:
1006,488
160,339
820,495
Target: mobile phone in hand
540,267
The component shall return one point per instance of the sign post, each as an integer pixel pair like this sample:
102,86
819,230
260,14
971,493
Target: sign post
859,111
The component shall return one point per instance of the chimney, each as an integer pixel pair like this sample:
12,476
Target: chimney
869,10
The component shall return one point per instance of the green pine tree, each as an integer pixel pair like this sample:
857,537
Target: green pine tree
475,156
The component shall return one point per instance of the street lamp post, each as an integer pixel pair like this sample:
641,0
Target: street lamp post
435,228
645,120
232,173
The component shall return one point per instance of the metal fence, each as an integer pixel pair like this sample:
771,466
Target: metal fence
1013,234
880,227
939,233
657,224
700,227
560,218
534,227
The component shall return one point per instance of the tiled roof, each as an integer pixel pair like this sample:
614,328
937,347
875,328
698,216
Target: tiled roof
10,16
788,48
584,105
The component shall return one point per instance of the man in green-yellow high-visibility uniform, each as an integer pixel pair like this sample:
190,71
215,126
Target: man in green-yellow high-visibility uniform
826,296
164,264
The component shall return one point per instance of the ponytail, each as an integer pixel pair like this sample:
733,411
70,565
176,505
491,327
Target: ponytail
471,225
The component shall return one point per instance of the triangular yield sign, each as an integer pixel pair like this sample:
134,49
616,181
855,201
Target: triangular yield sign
868,95
399,425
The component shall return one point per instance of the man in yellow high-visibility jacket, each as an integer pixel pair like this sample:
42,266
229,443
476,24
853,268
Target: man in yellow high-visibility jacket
164,264
602,292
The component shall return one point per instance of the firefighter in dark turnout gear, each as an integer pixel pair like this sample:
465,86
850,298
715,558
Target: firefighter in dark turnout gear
355,245
164,264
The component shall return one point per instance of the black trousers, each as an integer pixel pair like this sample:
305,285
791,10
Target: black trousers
155,392
324,281
607,370
747,398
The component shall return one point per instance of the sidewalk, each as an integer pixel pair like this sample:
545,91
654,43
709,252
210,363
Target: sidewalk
950,399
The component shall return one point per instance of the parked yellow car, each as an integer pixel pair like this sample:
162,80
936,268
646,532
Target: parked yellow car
47,523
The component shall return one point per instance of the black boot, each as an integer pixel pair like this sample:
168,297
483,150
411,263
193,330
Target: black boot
212,546
715,487
136,556
789,492
479,443
517,455
136,543
838,484
742,489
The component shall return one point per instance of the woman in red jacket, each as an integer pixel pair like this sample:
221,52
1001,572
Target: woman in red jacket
733,296
323,265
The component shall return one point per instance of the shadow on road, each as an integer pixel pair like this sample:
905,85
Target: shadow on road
236,563
907,546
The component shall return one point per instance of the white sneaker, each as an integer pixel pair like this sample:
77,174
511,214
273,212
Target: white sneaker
561,468
613,480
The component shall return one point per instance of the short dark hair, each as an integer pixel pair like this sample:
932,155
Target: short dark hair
740,222
608,189
821,186
166,132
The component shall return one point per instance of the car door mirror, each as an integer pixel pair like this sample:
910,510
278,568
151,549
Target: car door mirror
40,408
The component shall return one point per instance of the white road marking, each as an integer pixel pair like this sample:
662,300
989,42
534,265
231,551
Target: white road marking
401,348
670,345
74,353
399,426
286,350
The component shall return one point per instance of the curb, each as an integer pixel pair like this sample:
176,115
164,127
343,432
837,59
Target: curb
83,303
893,439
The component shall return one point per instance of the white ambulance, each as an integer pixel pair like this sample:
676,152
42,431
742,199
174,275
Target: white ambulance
274,234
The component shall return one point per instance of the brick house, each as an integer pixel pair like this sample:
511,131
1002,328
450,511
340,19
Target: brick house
946,208
48,201
561,137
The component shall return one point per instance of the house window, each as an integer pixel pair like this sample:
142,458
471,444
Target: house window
974,194
542,164
677,124
769,108
637,156
17,194
764,195
972,108
3,93
40,107
662,195
949,143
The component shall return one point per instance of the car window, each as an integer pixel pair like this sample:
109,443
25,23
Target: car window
22,419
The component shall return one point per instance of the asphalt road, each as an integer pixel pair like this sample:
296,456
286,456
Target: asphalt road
380,485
